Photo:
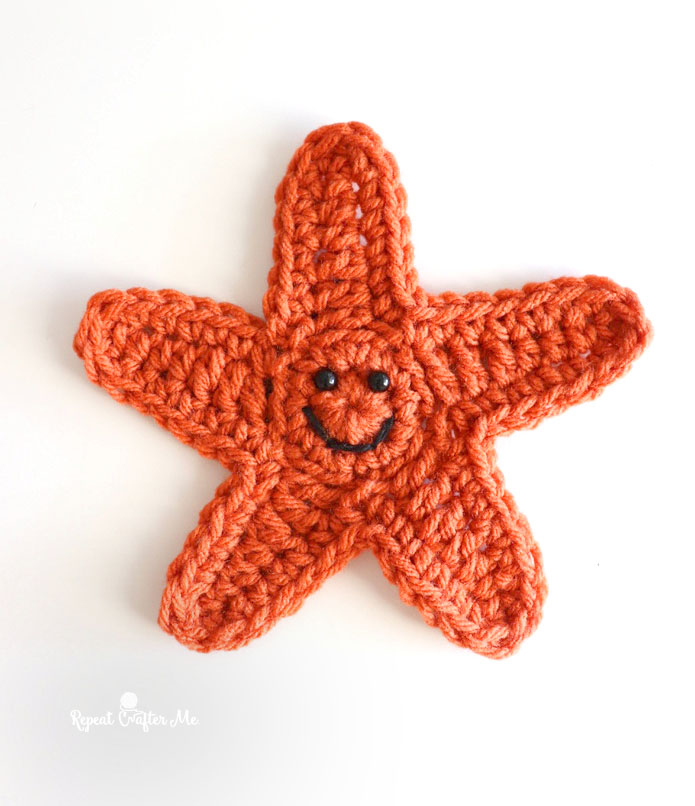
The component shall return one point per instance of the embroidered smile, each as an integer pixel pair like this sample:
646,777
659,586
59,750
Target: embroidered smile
335,444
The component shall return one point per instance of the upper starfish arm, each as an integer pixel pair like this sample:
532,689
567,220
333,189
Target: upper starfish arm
193,364
519,356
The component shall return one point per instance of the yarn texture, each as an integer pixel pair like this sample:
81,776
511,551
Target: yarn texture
361,413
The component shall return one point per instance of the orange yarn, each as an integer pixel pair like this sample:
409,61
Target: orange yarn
317,473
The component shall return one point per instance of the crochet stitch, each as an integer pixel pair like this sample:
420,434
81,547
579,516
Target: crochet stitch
362,413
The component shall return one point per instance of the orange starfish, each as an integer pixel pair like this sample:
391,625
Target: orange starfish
361,413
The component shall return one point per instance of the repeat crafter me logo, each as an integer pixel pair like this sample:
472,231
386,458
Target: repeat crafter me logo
129,715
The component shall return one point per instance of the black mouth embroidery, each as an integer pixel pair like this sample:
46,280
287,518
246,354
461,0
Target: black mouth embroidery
335,445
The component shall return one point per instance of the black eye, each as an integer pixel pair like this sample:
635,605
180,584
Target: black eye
378,381
325,379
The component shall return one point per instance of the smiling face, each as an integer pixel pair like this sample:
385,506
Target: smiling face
347,402
351,410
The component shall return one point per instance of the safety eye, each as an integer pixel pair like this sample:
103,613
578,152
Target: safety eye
325,380
378,381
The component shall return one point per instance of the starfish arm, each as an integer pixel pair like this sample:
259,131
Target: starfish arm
519,356
459,550
194,365
267,540
342,247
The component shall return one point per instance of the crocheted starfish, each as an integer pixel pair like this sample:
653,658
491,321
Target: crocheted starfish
361,413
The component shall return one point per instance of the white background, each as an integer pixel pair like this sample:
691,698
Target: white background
140,144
